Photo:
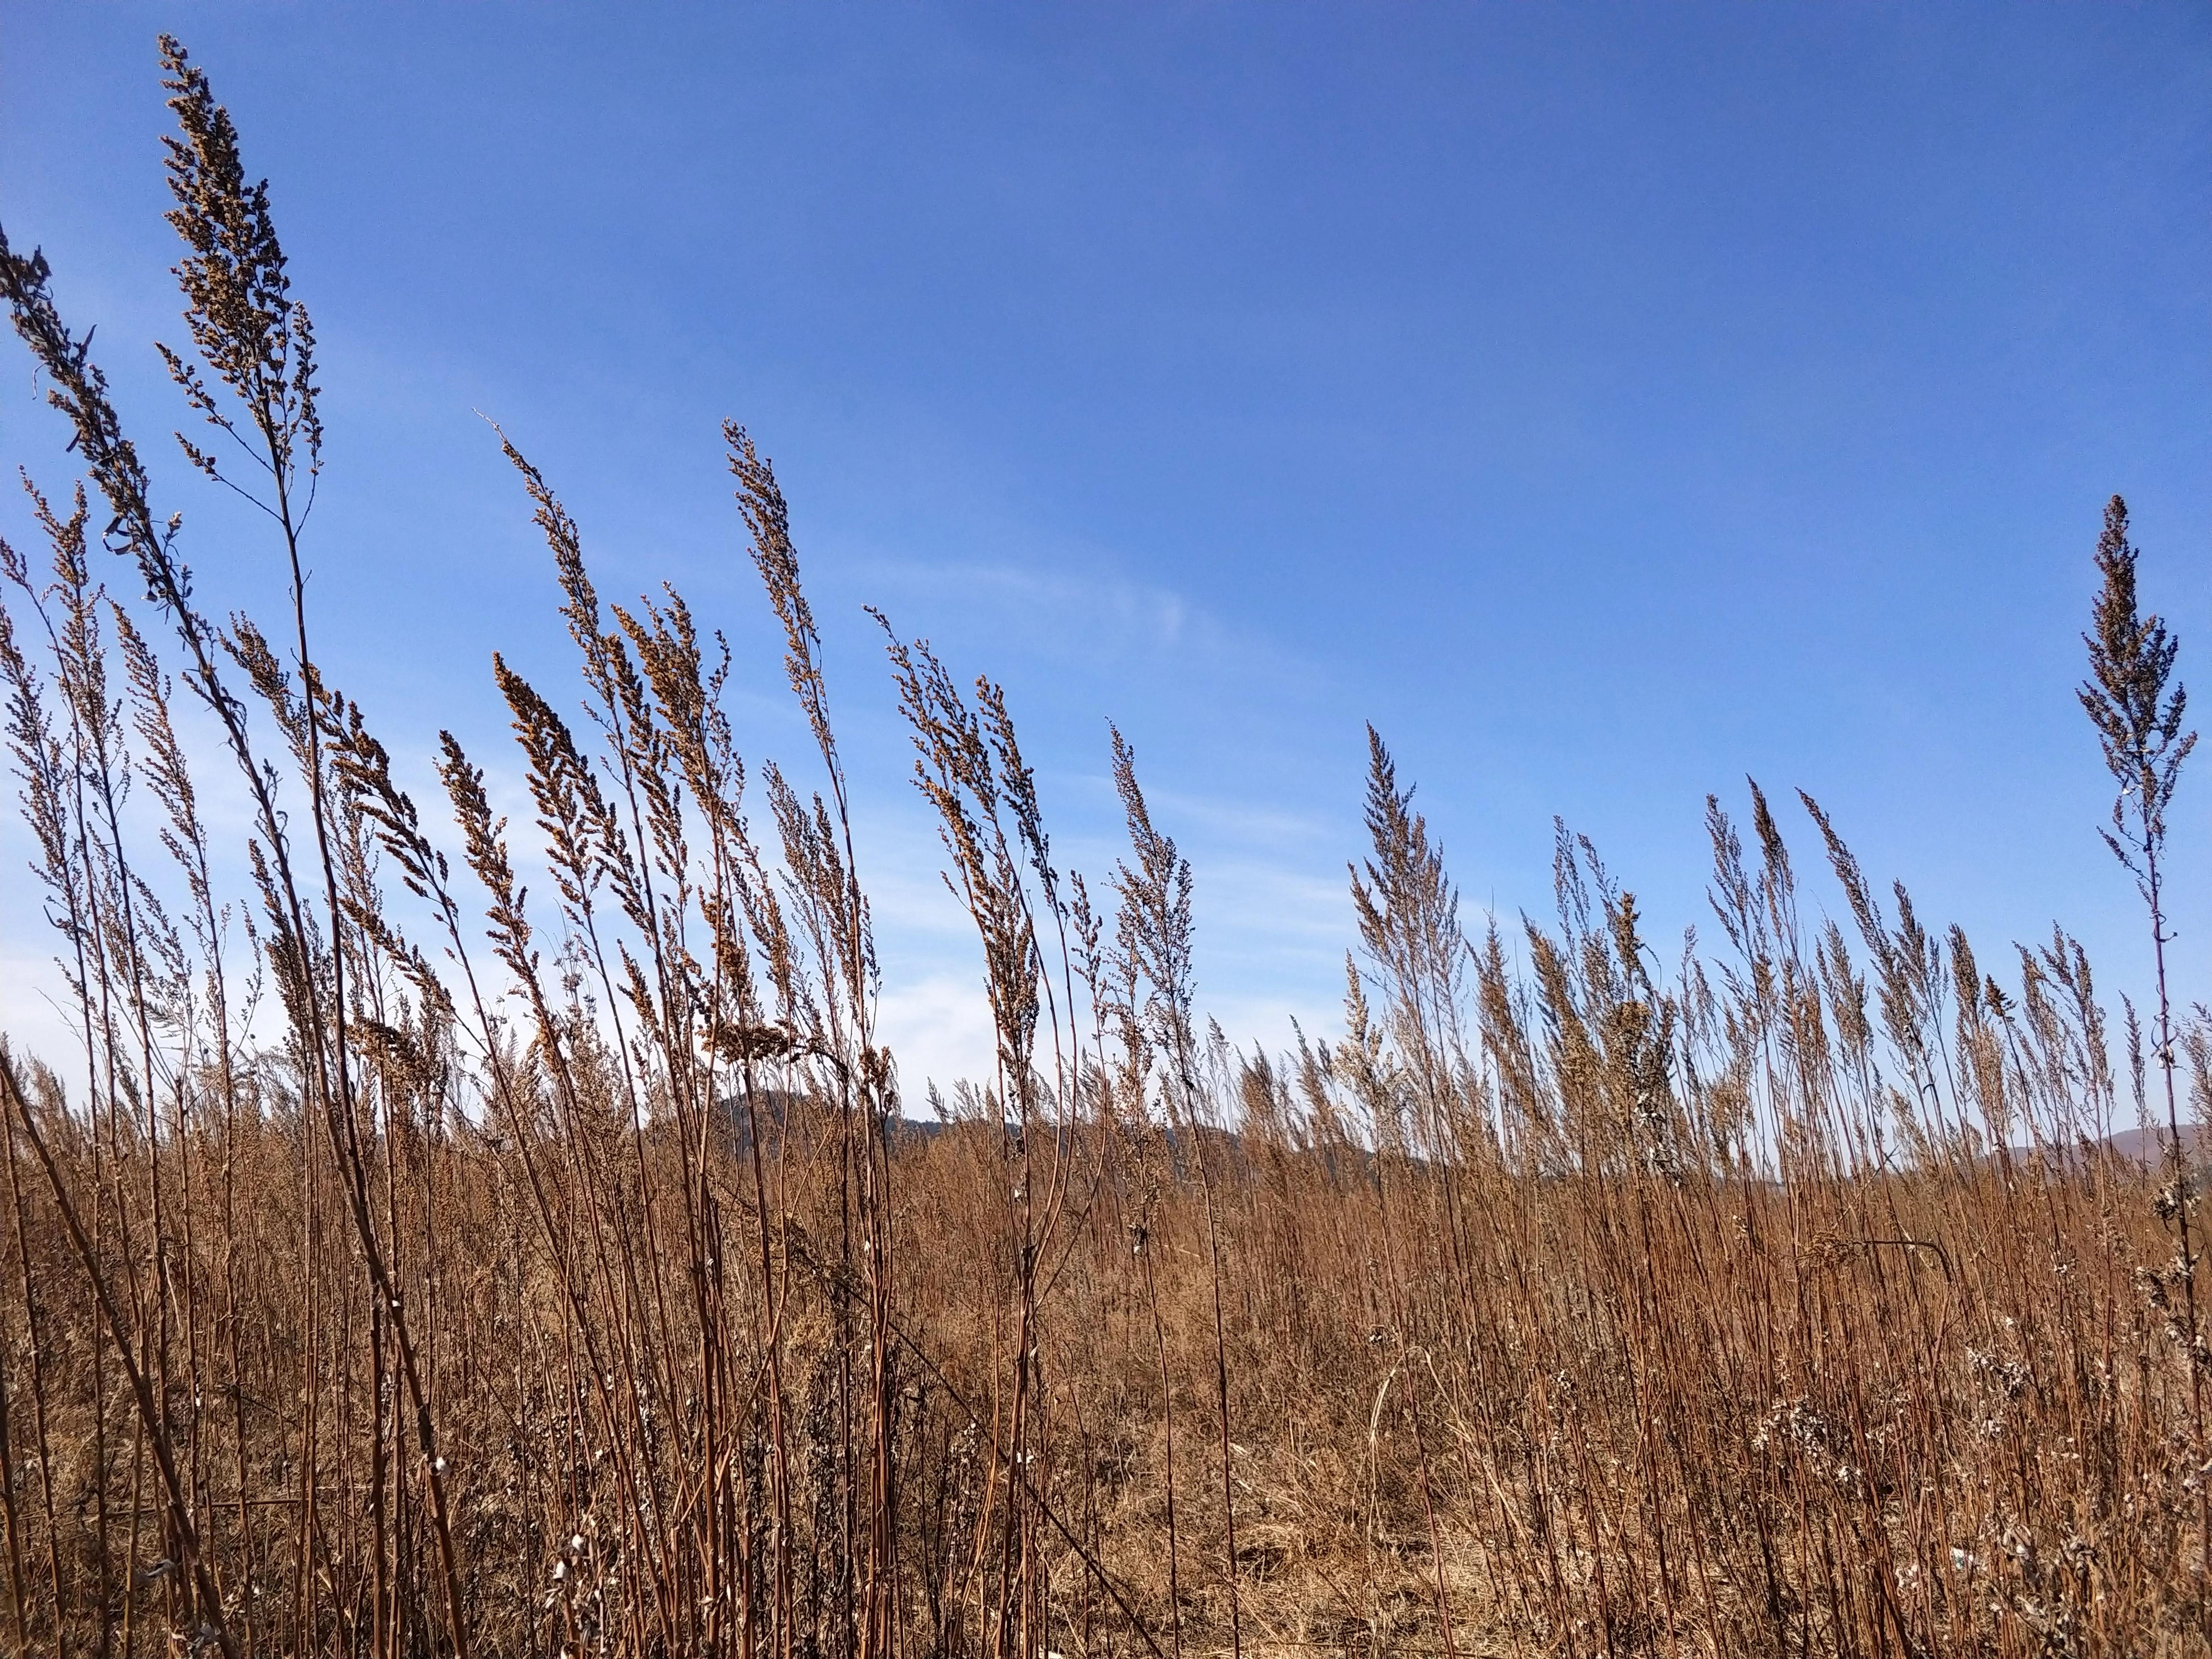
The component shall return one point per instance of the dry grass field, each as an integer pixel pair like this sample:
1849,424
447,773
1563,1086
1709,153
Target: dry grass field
403,1266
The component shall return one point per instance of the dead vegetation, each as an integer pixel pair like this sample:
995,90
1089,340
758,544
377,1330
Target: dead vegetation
406,1265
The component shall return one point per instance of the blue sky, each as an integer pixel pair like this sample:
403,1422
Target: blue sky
1607,402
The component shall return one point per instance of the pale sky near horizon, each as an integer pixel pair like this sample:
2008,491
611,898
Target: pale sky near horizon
1607,402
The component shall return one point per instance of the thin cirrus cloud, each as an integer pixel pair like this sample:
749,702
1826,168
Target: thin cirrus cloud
1047,605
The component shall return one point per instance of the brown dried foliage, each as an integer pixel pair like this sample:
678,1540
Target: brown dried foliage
590,1292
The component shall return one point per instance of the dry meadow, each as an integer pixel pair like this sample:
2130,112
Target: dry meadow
406,1264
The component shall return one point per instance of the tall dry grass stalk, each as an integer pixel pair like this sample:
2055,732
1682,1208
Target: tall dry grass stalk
398,1267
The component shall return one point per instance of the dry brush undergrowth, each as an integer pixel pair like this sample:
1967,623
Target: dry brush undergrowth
405,1267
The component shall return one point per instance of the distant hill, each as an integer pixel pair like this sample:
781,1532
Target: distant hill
2145,1147
2148,1146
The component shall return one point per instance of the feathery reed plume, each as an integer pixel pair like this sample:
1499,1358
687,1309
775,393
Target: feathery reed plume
1153,937
1409,916
2138,709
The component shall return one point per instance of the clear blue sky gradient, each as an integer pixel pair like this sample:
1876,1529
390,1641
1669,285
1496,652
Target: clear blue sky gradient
1607,402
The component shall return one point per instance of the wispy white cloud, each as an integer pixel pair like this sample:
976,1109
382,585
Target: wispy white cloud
1094,617
939,1026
